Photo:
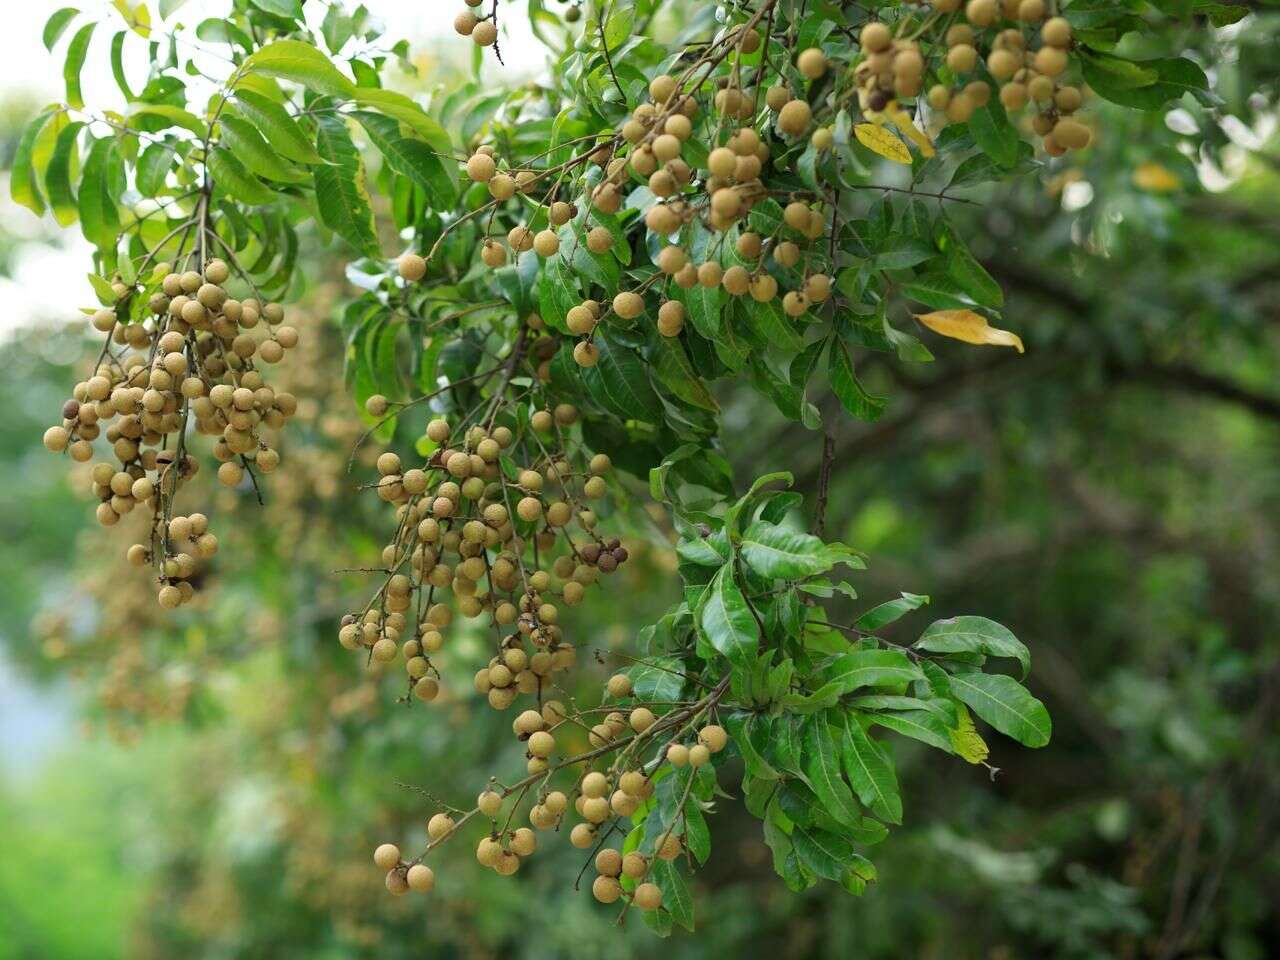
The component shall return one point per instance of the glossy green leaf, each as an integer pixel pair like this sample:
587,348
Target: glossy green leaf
781,553
279,129
230,177
890,611
56,25
725,620
57,181
99,215
77,50
848,388
24,184
249,146
821,762
871,668
871,772
974,635
408,157
302,63
341,197
1006,705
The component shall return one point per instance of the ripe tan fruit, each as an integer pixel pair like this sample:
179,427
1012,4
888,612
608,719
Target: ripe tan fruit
489,802
1051,61
441,824
641,719
1072,134
671,318
420,878
736,280
678,754
811,63
609,862
628,304
387,856
713,737
648,896
485,33
481,167
776,97
981,13
962,58
546,243
699,756
619,685
875,37
396,883
465,22
635,865
1056,32
488,852
662,87
794,118
606,889
599,240
586,354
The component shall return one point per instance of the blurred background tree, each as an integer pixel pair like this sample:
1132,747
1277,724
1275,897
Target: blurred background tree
1113,497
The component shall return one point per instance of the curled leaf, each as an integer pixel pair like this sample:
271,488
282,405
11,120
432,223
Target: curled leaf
882,142
902,120
970,327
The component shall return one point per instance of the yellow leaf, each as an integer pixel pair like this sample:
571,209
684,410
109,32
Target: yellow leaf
1155,178
902,120
970,327
966,739
883,142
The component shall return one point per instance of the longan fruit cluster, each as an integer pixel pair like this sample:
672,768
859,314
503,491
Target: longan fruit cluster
1024,76
483,30
510,548
192,357
889,69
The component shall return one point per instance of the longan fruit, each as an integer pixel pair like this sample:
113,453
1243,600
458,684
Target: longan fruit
541,744
582,835
481,167
595,784
441,824
396,883
710,274
1051,61
490,803
546,243
485,33
606,889
488,852
962,58
812,63
465,23
699,755
736,280
619,685
634,865
662,87
1072,134
609,862
713,737
794,118
678,754
586,354
776,97
641,719
823,139
387,856
628,304
599,240
1056,32
875,37
980,13
420,878
648,896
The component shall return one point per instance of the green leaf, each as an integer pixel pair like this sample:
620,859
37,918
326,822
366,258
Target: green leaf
657,678
153,166
409,158
676,898
901,252
974,635
77,50
822,851
619,382
57,178
279,129
966,740
230,176
772,325
725,620
56,25
406,111
291,9
1006,705
939,291
175,115
781,553
888,612
24,185
923,725
243,139
965,270
99,216
871,668
822,769
844,382
300,62
703,305
1144,84
993,132
871,772
341,197
672,368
